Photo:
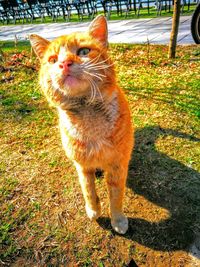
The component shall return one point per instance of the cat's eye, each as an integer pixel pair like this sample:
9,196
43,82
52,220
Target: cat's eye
84,51
53,59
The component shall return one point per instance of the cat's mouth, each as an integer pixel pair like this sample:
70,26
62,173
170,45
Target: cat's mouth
73,83
70,80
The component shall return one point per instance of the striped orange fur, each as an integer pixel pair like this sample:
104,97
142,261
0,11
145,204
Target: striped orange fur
78,78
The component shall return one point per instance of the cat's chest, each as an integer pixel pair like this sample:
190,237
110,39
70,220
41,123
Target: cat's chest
91,123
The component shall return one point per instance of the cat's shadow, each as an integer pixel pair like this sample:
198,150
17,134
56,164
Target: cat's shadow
168,184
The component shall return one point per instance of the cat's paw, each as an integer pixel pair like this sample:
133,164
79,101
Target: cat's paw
93,214
120,224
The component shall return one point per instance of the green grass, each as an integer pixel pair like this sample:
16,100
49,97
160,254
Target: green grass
11,46
144,13
42,217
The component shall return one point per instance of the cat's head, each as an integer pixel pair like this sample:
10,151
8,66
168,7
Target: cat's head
75,64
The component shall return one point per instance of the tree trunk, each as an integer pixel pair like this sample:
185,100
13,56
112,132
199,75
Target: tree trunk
174,31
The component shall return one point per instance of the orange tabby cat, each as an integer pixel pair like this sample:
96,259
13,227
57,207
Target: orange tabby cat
78,78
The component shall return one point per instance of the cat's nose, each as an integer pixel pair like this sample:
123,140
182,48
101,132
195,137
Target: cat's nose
65,65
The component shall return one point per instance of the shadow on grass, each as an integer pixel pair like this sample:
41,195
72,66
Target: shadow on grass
168,184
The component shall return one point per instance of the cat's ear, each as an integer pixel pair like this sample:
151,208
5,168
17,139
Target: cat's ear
38,44
98,29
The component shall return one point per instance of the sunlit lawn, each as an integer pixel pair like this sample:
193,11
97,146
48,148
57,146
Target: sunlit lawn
42,217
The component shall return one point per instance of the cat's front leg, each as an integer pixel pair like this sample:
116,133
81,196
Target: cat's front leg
87,181
116,180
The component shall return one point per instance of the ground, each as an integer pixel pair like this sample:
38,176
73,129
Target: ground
42,218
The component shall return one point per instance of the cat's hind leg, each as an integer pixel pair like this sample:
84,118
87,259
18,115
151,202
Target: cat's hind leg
87,181
116,180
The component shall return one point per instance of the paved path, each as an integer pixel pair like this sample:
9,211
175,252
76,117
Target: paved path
156,31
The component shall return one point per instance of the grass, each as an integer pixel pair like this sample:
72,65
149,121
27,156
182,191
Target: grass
144,13
42,217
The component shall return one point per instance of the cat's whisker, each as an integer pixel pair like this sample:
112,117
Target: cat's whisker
105,60
96,88
96,75
99,93
97,60
91,73
102,75
101,66
93,84
93,92
98,64
93,60
89,64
